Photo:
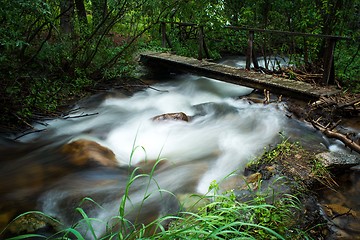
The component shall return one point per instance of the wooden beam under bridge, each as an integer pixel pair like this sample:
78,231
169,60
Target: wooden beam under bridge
286,87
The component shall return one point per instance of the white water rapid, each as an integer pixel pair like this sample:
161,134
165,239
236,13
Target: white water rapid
224,133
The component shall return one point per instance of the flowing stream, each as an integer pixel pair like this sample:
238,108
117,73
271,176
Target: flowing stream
223,134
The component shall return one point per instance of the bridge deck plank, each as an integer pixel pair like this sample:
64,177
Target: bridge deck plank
237,76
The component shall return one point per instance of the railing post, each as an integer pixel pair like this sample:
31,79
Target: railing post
249,55
163,34
306,53
329,71
201,41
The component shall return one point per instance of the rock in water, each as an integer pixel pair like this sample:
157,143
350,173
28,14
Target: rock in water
180,116
32,223
86,153
338,159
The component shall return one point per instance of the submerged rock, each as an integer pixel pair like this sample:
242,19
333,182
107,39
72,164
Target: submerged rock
341,220
86,152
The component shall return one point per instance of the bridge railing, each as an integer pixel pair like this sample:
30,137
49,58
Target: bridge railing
328,56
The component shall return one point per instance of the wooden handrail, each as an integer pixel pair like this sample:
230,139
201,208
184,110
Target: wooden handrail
270,31
329,72
290,33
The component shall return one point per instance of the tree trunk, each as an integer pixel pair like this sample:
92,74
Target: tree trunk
66,20
81,11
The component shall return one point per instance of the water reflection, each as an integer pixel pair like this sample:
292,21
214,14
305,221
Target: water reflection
341,205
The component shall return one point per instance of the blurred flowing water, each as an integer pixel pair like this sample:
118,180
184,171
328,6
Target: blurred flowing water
224,133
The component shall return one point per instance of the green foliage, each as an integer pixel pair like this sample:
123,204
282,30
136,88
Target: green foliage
188,47
297,163
41,65
235,41
272,155
347,65
227,218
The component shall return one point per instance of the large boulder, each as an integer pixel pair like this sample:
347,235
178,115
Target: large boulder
84,152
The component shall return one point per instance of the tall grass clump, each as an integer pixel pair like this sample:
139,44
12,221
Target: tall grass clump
227,218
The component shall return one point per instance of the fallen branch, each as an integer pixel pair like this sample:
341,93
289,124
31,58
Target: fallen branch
22,120
80,116
353,104
332,134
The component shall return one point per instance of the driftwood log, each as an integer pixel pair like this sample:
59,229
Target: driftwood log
331,133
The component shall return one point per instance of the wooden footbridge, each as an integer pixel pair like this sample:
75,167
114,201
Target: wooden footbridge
301,90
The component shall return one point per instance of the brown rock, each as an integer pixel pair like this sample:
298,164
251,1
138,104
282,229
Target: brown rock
180,116
31,222
86,152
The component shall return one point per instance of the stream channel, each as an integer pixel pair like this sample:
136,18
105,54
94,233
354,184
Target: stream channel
224,132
